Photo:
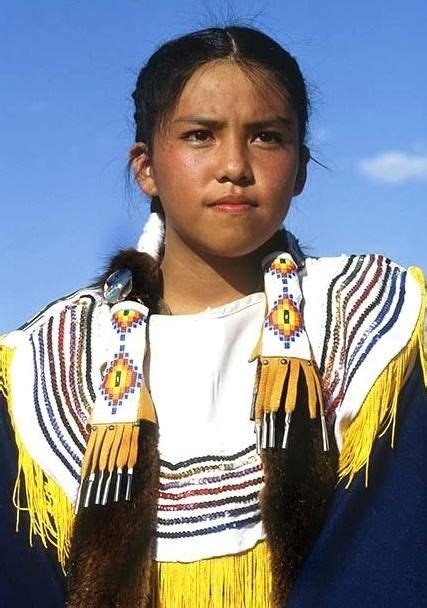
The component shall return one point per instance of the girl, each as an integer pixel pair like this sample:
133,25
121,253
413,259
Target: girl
176,425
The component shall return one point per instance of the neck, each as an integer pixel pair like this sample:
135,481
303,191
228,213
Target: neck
193,282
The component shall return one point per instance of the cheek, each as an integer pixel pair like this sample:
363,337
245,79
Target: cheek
278,185
282,170
177,176
175,167
277,180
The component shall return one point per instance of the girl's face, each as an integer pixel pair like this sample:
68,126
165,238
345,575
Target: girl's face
226,163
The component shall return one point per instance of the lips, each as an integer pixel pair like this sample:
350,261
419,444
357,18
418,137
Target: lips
233,204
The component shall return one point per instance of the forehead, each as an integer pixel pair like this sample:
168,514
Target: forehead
222,89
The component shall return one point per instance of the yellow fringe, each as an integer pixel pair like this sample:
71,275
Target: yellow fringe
50,511
240,581
379,410
5,362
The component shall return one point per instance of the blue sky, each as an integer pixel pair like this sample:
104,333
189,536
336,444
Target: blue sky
67,71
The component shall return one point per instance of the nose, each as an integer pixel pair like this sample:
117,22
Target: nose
234,163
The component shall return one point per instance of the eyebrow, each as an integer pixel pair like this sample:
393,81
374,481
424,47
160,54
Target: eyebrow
206,121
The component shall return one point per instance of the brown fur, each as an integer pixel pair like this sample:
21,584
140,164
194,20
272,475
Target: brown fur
299,483
146,274
110,563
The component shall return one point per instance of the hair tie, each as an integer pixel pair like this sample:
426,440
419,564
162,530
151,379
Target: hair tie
153,236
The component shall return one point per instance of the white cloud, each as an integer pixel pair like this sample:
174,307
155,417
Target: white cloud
395,167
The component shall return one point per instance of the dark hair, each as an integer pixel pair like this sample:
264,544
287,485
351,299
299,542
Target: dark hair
163,78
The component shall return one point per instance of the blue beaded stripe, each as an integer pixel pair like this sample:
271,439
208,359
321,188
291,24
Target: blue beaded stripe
201,481
55,390
41,422
379,318
343,302
246,498
342,307
80,379
88,349
196,519
237,491
210,457
236,525
79,406
378,335
53,419
371,306
328,321
91,308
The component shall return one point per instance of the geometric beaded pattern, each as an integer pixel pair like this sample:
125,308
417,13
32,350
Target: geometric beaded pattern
125,320
118,394
283,267
121,379
284,319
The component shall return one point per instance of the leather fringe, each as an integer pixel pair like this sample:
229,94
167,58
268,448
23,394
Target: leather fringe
277,392
112,451
111,552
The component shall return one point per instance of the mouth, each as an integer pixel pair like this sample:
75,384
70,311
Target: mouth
233,204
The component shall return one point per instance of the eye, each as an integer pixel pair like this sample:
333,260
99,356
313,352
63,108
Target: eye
199,135
270,137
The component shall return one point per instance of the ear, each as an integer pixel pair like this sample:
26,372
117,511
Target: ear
302,170
143,171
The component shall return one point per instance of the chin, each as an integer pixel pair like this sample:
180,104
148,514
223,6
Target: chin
236,249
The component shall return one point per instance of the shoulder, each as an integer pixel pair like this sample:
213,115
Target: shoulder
359,273
350,293
85,298
61,325
49,369
355,295
49,372
361,311
365,318
62,328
